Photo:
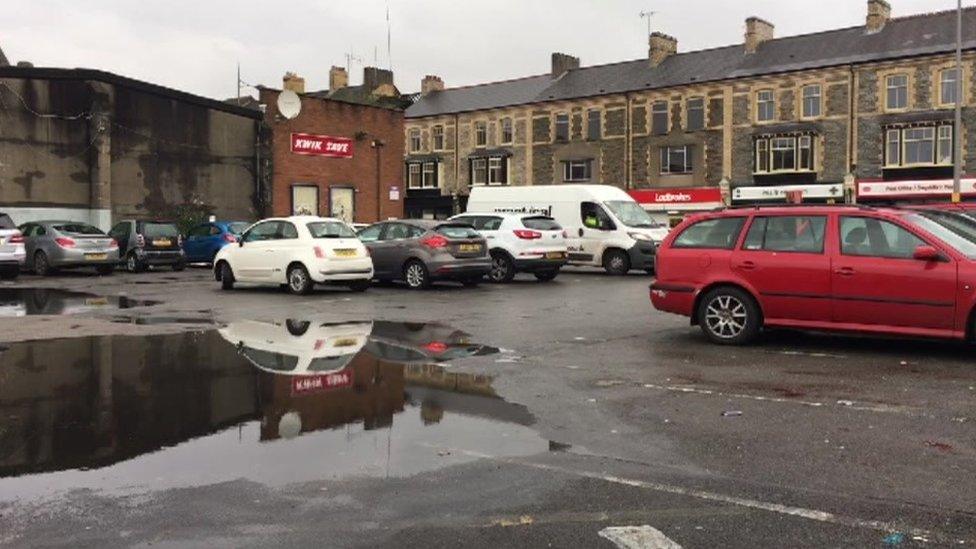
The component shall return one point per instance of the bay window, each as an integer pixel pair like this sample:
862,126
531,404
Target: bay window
479,171
777,154
676,160
422,175
919,146
489,171
413,176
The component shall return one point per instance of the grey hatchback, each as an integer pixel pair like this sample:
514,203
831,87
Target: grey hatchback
420,251
53,245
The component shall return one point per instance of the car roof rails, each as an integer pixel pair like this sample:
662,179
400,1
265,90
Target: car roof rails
806,205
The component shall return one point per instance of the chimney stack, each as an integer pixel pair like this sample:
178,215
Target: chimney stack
660,47
293,82
431,83
338,78
879,12
757,31
562,63
374,77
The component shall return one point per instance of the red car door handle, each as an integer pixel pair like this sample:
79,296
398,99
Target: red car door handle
845,271
747,265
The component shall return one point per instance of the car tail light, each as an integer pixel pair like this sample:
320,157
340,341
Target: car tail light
140,241
526,234
16,239
65,242
229,238
434,241
436,347
113,244
319,253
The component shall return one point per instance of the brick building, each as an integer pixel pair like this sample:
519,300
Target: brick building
342,154
830,113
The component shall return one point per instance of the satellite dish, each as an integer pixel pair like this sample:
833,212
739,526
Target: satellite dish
289,104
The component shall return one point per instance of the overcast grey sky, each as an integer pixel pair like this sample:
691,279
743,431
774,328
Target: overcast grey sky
195,45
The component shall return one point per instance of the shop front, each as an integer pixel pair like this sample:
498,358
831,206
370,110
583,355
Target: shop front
909,192
424,198
671,205
819,193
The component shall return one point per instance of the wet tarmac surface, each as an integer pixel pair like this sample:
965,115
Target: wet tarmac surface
272,402
16,302
345,430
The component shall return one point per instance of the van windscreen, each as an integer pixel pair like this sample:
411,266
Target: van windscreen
631,214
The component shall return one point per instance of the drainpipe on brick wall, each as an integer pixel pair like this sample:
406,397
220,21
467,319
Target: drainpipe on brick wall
851,120
378,146
455,199
629,152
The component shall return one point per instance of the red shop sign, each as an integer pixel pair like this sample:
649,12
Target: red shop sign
321,145
686,195
303,385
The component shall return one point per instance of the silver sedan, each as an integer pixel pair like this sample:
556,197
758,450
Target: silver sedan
53,245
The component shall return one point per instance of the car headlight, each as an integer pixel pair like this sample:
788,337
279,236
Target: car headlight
640,236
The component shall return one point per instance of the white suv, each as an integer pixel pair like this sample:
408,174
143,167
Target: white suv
12,253
296,252
520,243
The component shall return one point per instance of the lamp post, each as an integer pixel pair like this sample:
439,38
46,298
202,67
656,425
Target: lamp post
957,129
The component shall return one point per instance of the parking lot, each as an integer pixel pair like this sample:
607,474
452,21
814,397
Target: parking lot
579,408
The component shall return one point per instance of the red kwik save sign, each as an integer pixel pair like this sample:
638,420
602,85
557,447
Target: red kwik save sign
321,145
301,385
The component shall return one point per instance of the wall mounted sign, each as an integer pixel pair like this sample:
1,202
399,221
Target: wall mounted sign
938,188
321,145
679,198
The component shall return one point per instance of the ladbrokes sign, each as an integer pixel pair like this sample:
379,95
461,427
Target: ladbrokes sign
321,145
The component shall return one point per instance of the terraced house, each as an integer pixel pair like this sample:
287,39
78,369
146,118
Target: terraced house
858,113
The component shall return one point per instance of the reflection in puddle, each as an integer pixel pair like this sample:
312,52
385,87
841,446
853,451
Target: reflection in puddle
49,301
275,403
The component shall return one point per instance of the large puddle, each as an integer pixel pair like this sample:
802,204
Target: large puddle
16,302
272,402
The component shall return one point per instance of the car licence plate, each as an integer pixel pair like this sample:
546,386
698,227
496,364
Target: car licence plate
162,242
96,301
469,248
555,255
346,342
345,253
96,257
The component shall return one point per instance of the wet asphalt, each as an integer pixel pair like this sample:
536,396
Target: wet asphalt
154,409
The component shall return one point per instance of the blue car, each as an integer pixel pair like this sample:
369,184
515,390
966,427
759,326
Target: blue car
203,241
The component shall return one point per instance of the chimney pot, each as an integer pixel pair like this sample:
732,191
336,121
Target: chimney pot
338,78
431,83
879,12
293,82
660,46
757,31
562,62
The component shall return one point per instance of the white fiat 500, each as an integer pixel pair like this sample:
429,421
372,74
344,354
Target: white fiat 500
297,253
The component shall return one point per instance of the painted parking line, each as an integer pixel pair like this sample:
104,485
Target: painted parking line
638,537
827,517
847,405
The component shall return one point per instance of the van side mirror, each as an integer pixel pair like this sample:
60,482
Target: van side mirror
927,253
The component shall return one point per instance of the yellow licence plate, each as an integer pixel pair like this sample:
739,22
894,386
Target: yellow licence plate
96,257
470,247
555,255
346,342
92,301
345,253
162,242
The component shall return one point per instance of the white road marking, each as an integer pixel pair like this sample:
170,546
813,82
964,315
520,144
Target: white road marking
877,408
800,512
638,537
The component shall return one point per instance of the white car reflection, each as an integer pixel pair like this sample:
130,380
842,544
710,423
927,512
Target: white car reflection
297,347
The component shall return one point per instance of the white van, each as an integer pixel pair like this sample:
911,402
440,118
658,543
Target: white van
605,227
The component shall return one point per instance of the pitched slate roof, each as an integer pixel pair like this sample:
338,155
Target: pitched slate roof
901,37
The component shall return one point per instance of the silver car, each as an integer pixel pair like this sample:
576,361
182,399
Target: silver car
53,245
11,248
420,251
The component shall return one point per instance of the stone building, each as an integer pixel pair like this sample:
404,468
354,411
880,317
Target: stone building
92,146
821,113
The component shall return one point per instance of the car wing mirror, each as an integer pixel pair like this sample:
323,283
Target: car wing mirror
927,253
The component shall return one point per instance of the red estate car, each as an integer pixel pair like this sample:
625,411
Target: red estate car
846,268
